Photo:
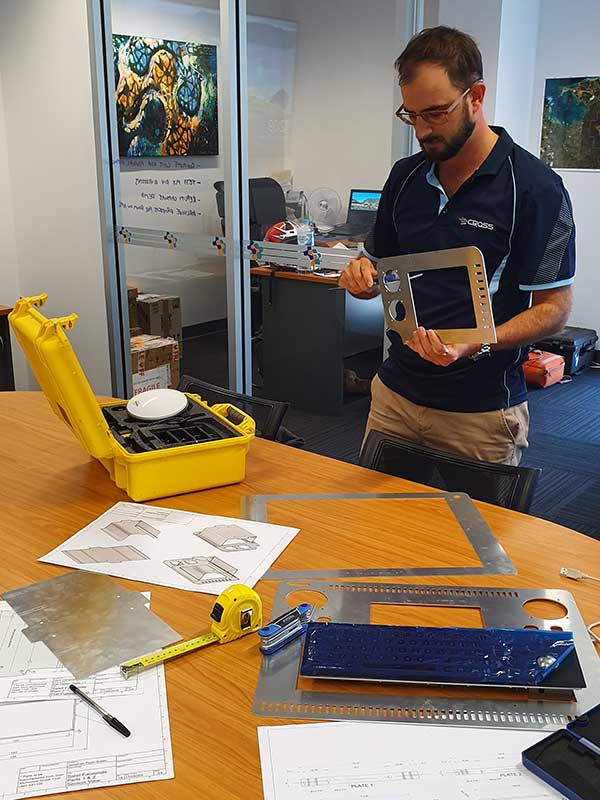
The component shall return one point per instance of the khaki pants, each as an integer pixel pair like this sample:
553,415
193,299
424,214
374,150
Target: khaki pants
497,436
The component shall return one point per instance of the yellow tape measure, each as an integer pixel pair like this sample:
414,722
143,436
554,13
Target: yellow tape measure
237,611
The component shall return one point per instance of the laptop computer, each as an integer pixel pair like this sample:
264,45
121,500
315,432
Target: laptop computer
362,210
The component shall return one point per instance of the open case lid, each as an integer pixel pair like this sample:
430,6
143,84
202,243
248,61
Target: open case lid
586,727
59,373
569,759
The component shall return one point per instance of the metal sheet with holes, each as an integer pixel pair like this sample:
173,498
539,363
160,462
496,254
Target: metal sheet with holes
399,291
493,557
277,694
89,621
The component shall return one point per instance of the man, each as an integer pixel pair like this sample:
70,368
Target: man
471,185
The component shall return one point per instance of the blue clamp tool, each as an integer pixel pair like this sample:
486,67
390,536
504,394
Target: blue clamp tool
285,628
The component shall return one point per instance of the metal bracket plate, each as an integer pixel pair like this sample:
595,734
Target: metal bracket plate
396,290
278,695
493,557
89,621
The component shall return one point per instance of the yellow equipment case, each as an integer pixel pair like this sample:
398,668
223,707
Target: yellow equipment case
203,447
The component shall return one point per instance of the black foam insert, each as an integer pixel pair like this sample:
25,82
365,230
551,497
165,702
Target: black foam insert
568,763
195,425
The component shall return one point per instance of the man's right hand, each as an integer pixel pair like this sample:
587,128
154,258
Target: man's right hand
357,278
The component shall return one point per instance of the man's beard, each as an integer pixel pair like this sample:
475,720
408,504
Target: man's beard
454,145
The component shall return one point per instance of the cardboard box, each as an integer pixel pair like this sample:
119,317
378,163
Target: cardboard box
149,308
154,363
172,317
132,294
160,315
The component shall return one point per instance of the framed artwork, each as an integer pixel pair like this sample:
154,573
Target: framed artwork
166,95
571,123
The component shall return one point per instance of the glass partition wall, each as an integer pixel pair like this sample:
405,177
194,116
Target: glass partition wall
321,94
169,67
247,133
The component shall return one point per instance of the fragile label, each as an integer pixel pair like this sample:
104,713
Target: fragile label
157,378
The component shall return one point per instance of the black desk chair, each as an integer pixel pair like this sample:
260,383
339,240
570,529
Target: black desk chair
500,484
267,414
267,205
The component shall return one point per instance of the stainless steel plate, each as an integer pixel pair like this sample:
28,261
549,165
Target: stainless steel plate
89,621
399,291
278,695
493,557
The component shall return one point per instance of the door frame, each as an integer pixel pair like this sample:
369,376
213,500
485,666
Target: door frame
233,114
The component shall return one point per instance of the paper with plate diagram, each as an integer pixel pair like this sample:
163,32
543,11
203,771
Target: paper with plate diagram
379,761
51,742
197,552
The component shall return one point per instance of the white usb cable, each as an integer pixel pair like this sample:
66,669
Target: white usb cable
578,575
594,636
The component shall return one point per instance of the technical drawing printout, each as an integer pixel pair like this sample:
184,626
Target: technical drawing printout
62,745
197,552
396,761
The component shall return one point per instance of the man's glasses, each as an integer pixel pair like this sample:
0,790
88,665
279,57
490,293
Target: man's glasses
433,118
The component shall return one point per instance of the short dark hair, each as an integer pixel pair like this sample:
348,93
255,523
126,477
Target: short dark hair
455,51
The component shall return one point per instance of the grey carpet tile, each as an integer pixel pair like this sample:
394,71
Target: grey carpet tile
548,450
555,487
576,428
583,389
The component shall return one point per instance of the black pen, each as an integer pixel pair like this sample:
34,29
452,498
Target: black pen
112,721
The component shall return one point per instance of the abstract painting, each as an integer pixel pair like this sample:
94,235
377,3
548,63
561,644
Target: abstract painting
571,123
166,95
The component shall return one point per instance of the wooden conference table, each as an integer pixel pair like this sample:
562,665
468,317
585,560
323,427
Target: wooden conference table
51,488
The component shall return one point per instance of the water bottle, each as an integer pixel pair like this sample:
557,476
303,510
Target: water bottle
306,238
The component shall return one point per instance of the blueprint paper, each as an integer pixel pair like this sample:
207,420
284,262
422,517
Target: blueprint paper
197,552
395,761
63,745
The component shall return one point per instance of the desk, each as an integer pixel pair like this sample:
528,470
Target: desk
51,488
309,326
7,378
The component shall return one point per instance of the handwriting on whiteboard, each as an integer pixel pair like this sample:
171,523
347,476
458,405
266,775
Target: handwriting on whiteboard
175,211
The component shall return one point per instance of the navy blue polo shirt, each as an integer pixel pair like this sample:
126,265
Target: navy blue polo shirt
517,211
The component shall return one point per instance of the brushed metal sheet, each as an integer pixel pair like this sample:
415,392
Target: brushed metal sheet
89,621
493,557
400,291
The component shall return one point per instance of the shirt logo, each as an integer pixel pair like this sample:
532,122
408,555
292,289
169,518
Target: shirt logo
475,223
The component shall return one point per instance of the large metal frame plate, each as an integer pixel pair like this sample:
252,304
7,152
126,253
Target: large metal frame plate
89,621
396,289
493,557
278,695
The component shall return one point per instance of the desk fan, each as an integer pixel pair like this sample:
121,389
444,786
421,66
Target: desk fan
324,206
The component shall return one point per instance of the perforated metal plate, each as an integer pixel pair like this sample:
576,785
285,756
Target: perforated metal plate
398,291
278,695
493,557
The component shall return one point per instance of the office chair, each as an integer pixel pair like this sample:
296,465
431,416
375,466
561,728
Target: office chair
267,414
267,205
500,484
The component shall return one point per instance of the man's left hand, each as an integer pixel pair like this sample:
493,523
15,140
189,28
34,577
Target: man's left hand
429,346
